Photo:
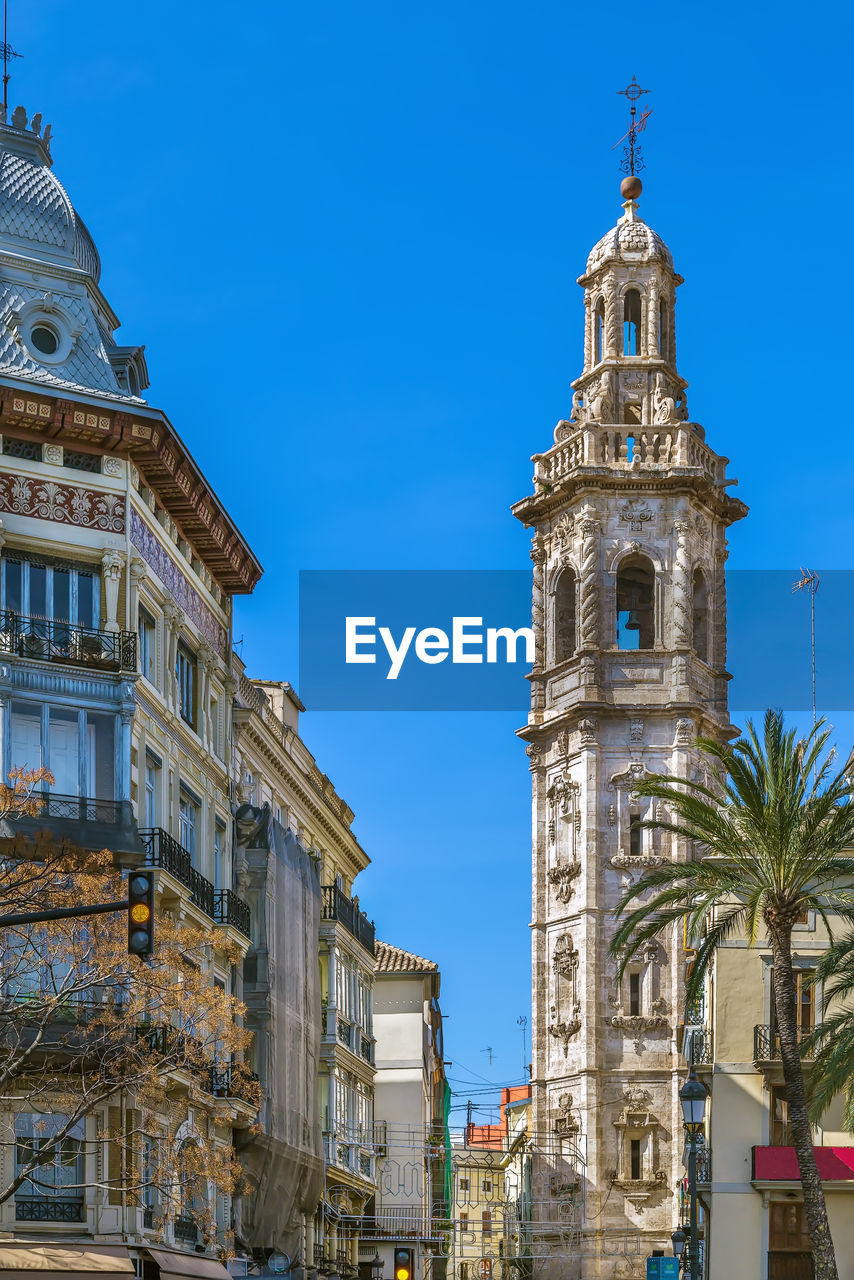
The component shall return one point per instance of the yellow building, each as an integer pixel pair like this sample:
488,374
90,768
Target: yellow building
748,1177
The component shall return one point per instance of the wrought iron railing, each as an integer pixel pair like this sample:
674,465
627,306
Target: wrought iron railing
704,1165
77,808
164,851
700,1046
50,1209
186,1229
234,1081
52,640
148,1216
766,1042
337,906
229,909
366,1048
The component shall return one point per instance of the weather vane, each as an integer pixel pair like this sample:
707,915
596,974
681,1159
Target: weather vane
632,162
8,52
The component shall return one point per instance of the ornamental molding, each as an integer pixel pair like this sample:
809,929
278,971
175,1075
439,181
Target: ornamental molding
181,591
639,1025
561,877
62,503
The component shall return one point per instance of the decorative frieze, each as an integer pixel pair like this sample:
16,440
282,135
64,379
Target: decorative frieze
62,503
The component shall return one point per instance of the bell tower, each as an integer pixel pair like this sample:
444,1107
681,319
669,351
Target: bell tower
629,515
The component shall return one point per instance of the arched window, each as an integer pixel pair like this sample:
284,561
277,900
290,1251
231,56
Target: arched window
191,1202
635,604
564,616
600,330
663,328
700,615
631,323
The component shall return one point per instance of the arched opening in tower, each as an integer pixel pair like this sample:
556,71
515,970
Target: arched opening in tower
600,330
635,604
664,329
700,615
631,323
564,616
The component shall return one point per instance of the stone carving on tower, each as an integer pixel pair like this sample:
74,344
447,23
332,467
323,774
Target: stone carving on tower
629,516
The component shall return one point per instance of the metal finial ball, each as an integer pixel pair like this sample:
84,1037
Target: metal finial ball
631,187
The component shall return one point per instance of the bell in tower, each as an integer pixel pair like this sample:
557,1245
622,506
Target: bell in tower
629,516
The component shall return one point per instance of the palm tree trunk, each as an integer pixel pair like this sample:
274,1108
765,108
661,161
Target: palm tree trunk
787,1026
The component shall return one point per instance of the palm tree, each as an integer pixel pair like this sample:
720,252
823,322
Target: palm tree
832,1042
766,833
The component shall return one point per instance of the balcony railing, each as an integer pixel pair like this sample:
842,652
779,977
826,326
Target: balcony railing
337,906
766,1042
229,909
700,1046
164,851
232,1082
186,1229
78,808
51,640
50,1209
704,1165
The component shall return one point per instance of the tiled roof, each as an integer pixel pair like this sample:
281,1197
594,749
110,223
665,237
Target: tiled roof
395,960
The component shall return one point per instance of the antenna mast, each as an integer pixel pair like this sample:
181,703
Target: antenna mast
8,52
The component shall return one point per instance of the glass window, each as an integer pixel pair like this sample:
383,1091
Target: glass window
188,819
147,632
634,994
79,748
54,591
60,1173
26,736
152,790
185,669
219,850
64,757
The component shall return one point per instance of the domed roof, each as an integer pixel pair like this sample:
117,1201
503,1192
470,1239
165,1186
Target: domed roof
34,205
631,240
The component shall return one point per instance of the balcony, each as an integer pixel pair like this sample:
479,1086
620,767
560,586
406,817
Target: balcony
766,1043
231,910
50,640
186,1230
233,1082
82,821
50,1209
164,851
704,1166
697,1046
337,906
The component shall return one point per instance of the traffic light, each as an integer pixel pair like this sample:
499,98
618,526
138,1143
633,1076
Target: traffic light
403,1264
141,914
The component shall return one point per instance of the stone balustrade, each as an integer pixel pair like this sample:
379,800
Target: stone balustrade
675,445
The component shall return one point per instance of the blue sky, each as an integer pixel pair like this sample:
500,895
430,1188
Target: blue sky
349,237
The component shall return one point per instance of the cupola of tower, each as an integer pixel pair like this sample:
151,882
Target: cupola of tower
56,327
630,374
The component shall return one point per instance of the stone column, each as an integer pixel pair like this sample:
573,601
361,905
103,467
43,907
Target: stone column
589,625
652,337
111,567
138,573
681,587
172,617
538,556
125,758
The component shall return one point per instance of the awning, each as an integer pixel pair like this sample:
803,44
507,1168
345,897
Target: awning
177,1266
19,1259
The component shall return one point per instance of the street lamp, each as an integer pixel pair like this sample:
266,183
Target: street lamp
678,1239
693,1096
376,1267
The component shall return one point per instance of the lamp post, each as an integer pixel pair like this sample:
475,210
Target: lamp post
678,1239
692,1095
376,1266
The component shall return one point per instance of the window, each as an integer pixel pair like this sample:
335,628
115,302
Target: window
219,850
149,1197
564,616
464,1220
188,821
635,1160
146,629
485,1268
464,1184
185,670
53,590
464,1271
152,790
789,1250
486,1222
634,994
79,747
780,1132
600,330
635,604
631,323
486,1186
635,833
804,1004
44,338
700,616
59,1174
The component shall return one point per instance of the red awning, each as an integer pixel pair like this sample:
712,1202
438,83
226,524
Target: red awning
780,1164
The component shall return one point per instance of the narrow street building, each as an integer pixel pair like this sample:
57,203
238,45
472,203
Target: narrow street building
629,514
118,569
410,1207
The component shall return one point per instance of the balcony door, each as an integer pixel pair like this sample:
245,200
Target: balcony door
804,1006
789,1253
65,752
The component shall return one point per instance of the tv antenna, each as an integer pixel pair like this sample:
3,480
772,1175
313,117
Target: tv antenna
522,1022
8,52
632,162
488,1050
810,581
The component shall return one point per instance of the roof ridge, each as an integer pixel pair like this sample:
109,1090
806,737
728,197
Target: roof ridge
387,952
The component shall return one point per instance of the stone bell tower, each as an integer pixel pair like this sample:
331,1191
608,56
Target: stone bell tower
629,516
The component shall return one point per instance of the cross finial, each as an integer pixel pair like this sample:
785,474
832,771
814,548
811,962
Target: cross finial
632,162
8,52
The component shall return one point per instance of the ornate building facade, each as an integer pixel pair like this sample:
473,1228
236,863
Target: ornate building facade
629,516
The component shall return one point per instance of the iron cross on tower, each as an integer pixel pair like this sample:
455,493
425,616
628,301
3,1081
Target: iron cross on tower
632,161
